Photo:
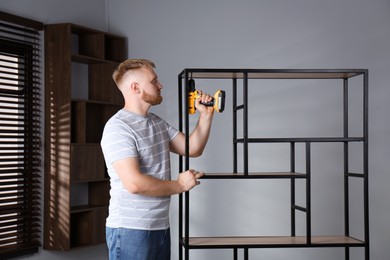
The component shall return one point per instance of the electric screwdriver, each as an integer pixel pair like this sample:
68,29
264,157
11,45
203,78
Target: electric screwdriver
218,101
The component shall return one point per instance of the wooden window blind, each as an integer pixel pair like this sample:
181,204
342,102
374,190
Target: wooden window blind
20,135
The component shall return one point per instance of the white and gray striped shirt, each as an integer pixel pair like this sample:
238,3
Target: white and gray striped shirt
147,138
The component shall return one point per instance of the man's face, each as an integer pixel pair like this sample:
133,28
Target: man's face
151,88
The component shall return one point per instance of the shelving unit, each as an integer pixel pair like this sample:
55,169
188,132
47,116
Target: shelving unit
80,96
291,240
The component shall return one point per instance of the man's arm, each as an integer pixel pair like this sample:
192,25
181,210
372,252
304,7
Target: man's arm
137,183
201,132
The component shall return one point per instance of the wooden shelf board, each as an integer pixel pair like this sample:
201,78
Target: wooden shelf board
254,175
90,180
86,208
259,241
89,60
273,73
302,140
97,102
86,144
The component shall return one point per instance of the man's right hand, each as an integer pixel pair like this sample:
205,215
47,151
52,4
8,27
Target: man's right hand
189,179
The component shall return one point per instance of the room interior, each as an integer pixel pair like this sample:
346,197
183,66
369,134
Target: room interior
178,35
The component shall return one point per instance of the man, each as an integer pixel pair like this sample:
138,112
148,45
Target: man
136,146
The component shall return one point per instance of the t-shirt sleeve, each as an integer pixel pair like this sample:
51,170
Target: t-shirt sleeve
118,142
172,132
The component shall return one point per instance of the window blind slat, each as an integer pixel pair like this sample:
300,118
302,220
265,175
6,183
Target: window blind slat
12,230
20,209
11,188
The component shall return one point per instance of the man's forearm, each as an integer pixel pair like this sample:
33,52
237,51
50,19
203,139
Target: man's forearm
200,134
150,186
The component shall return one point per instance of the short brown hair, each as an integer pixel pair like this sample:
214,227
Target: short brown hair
130,64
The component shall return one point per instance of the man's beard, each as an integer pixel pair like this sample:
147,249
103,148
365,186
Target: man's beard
151,99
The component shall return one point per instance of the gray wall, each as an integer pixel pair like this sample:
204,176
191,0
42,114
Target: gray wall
260,34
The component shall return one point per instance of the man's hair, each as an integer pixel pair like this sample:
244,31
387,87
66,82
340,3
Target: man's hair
128,65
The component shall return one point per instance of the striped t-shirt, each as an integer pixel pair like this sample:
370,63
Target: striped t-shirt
147,138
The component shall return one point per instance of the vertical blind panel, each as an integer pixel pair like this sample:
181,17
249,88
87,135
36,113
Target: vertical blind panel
20,144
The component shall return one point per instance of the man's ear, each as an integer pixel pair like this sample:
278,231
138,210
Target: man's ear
134,87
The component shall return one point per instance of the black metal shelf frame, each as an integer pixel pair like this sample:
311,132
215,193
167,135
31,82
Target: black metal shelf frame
186,242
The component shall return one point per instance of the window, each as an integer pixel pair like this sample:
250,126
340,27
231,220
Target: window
20,144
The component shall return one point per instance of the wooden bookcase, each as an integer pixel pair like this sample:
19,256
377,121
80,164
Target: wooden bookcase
80,96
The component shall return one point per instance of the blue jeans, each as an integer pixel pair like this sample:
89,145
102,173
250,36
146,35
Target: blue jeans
133,244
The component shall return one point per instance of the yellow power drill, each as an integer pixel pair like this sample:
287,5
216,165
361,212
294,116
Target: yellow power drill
218,101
